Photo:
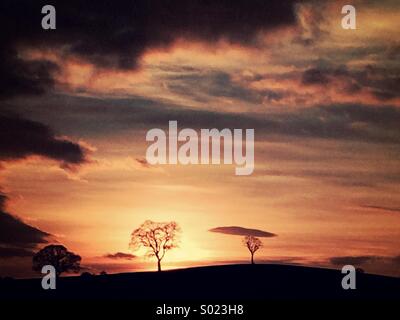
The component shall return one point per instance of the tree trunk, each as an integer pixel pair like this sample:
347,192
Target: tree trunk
159,265
252,258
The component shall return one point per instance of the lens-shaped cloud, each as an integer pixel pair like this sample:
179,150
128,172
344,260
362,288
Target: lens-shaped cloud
240,231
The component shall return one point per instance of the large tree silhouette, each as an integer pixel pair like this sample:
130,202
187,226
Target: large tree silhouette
59,257
253,244
156,237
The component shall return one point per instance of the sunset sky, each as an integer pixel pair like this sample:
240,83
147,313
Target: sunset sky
76,103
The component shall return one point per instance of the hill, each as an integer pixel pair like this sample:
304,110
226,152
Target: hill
248,282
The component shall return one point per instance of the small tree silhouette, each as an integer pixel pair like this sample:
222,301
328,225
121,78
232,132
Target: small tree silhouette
253,244
156,237
59,257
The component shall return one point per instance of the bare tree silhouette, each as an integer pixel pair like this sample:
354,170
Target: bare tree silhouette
59,257
157,238
253,244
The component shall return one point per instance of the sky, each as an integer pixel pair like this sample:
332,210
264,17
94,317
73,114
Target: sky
76,103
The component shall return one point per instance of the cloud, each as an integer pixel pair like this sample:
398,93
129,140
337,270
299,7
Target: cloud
310,16
15,252
383,208
17,239
333,121
356,260
20,77
314,76
120,255
339,122
201,85
382,83
389,265
240,231
362,260
21,138
17,233
347,122
3,199
142,162
118,36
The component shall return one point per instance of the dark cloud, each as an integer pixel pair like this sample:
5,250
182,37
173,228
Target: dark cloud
340,122
362,260
389,265
6,252
97,117
396,260
201,85
25,77
17,239
381,82
120,255
356,260
314,76
384,83
15,232
240,231
347,178
393,52
389,89
115,35
3,199
21,138
325,73
383,208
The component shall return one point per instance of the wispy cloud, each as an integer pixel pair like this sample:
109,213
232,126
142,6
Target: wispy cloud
120,256
382,208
